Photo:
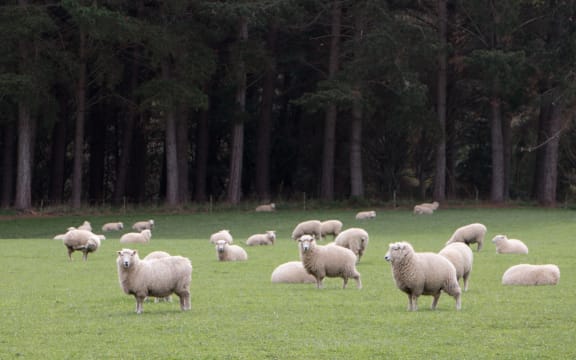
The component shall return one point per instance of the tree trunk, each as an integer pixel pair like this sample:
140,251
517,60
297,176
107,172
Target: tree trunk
356,173
23,200
202,139
171,149
8,165
57,160
80,124
183,146
498,170
97,162
439,193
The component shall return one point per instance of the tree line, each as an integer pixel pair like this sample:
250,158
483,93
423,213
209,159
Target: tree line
182,101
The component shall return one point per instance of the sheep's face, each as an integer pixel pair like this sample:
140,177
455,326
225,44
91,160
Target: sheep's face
306,242
396,251
126,257
221,245
498,238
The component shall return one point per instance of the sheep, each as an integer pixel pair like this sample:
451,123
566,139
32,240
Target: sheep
328,261
227,252
527,274
422,273
309,227
159,255
221,235
423,210
80,240
291,272
159,278
330,227
143,225
433,205
469,234
142,237
366,215
509,246
262,239
461,256
355,239
85,226
266,208
115,226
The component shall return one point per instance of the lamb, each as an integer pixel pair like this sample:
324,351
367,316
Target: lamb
221,235
469,234
142,237
330,227
309,227
422,273
159,255
114,226
509,246
85,226
80,240
328,261
143,225
159,278
423,210
527,274
227,252
266,208
262,239
461,256
355,239
366,215
291,272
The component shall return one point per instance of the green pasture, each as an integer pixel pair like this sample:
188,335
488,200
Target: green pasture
53,308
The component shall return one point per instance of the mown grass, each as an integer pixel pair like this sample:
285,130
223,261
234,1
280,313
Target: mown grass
52,308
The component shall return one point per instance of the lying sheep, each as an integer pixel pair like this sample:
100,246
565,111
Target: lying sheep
330,227
142,237
85,226
509,246
159,278
262,239
143,225
309,227
328,261
80,240
159,255
291,272
266,207
527,274
422,274
115,226
227,252
221,235
423,210
461,256
355,239
433,205
469,234
365,215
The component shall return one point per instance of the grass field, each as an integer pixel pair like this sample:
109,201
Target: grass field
52,308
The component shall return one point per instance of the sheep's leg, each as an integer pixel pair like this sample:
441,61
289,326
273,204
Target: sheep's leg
465,278
70,251
184,300
139,302
458,301
412,302
435,301
319,284
84,255
358,282
345,282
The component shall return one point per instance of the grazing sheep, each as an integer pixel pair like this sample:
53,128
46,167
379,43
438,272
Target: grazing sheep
266,208
309,227
85,226
423,210
330,227
469,234
291,272
355,239
365,215
461,256
328,261
159,255
422,273
142,237
526,274
227,252
159,277
143,225
80,240
221,235
262,239
509,246
115,226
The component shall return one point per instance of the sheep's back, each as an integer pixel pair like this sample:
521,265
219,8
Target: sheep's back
333,260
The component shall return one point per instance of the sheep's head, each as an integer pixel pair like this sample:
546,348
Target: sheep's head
147,234
499,238
126,257
397,251
120,226
271,234
221,245
306,242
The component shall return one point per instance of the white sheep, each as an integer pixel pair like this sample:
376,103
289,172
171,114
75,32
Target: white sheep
114,226
527,274
309,227
509,246
143,225
355,239
266,207
228,252
222,235
262,239
469,234
330,227
433,205
142,237
461,256
159,255
328,261
291,272
423,210
366,215
85,226
422,273
159,278
80,240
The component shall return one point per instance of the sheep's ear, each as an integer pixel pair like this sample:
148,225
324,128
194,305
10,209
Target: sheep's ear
119,252
134,252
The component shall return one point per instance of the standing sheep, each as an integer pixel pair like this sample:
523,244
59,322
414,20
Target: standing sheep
159,278
461,256
469,234
227,252
143,225
330,227
355,239
291,272
221,235
509,246
309,227
422,274
366,215
266,208
527,274
142,237
115,226
262,239
159,255
328,261
80,240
